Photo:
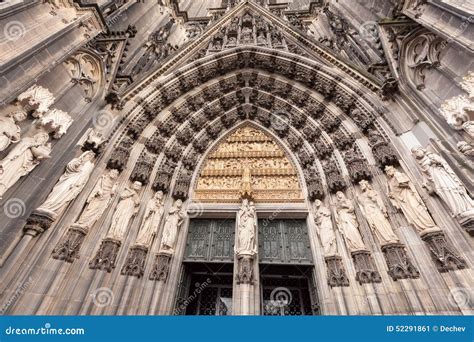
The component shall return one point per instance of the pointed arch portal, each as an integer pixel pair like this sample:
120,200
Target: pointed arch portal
251,109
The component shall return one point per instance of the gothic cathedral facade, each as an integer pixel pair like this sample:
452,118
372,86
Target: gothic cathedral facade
236,157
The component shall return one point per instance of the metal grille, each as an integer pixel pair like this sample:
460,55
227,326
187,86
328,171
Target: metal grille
286,297
213,299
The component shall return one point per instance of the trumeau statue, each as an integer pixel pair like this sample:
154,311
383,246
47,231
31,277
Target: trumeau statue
347,223
404,197
326,229
247,225
439,178
98,199
70,184
151,220
9,130
173,222
376,214
127,207
26,155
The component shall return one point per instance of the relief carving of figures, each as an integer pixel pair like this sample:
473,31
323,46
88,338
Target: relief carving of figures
326,229
98,199
70,184
376,214
262,39
151,220
404,197
439,178
173,223
127,207
457,111
347,223
9,130
56,122
36,99
247,225
26,155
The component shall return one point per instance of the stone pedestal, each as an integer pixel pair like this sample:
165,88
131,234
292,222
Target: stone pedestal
399,265
336,272
443,253
68,247
106,255
38,222
135,262
245,268
468,224
245,281
161,267
365,268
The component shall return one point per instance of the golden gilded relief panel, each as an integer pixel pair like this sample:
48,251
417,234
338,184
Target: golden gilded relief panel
248,164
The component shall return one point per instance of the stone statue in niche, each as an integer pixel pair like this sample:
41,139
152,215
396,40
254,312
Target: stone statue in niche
68,247
439,178
126,208
173,223
98,199
247,225
9,130
404,197
70,184
376,214
347,223
326,229
151,220
26,155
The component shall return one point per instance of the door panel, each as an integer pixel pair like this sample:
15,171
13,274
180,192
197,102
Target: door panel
210,240
284,241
